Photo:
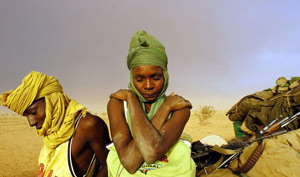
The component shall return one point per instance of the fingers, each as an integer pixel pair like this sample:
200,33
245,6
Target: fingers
178,96
118,94
112,95
189,104
174,94
178,102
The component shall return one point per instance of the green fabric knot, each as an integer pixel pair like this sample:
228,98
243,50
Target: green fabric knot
145,49
143,42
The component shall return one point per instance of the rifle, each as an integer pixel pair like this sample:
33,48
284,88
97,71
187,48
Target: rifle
244,144
274,125
273,129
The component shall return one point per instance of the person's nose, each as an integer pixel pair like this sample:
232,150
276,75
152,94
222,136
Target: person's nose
32,122
149,84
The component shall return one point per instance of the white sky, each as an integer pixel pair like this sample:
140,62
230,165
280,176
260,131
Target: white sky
219,51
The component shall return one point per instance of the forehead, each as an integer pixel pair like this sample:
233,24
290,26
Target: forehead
36,103
143,69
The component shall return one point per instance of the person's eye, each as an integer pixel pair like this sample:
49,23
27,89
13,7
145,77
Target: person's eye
157,77
33,112
139,79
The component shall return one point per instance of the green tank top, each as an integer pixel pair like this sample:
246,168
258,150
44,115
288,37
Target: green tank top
176,162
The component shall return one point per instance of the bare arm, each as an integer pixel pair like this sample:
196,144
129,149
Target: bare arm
94,131
154,143
128,151
162,114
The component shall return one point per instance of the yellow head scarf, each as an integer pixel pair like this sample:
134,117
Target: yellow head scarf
61,112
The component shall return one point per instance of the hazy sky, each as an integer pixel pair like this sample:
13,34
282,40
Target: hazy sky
219,51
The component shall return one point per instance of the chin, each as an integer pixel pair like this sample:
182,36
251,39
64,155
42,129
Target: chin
151,100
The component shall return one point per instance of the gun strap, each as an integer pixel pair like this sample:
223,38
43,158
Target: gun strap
253,159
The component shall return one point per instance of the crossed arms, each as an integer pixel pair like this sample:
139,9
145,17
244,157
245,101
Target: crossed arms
152,139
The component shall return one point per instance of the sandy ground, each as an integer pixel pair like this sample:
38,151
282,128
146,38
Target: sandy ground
20,146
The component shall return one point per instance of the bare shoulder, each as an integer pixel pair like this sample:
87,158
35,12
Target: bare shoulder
185,111
115,104
92,126
115,108
91,121
180,116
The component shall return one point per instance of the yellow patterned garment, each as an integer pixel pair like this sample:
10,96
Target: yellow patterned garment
177,162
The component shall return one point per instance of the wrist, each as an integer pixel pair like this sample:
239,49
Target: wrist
166,106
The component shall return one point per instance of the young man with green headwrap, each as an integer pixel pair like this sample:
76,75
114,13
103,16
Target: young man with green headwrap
72,137
145,124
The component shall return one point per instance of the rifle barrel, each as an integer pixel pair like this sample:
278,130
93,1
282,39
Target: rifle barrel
268,136
233,156
291,119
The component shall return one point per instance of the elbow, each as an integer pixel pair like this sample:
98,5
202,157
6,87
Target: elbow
131,171
152,156
130,164
150,160
153,153
130,168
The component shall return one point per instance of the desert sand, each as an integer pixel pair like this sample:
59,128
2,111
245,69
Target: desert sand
20,146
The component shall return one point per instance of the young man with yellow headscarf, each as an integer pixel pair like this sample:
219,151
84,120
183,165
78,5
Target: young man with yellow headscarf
72,137
145,124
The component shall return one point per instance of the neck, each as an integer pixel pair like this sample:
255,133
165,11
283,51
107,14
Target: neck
148,107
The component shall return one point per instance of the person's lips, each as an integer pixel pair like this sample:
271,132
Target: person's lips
149,95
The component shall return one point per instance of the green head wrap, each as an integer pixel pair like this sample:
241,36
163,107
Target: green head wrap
145,49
